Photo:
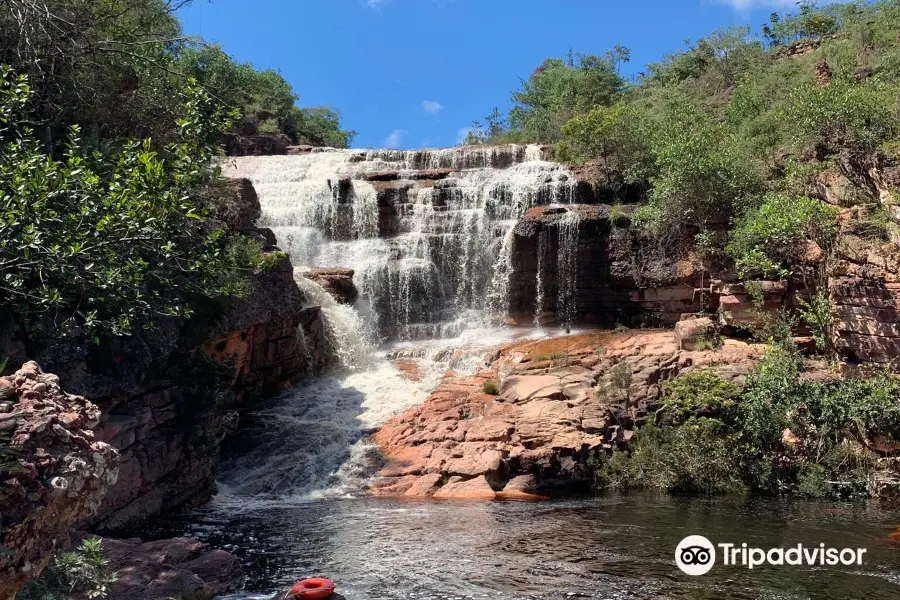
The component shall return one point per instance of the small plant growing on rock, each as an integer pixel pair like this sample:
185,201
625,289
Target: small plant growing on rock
817,315
620,376
491,387
82,573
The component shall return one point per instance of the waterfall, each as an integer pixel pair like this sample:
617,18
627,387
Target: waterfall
426,231
348,336
498,298
567,268
539,282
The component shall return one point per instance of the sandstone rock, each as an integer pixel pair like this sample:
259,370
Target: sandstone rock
62,478
547,422
691,334
255,145
241,208
522,483
473,489
789,440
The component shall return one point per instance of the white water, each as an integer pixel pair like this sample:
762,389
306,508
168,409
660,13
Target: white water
310,443
438,278
444,261
567,268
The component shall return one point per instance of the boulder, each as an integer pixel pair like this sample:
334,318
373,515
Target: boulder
337,281
62,472
473,489
240,208
170,568
692,334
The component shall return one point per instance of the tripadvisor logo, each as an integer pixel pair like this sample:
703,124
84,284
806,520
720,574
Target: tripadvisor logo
696,555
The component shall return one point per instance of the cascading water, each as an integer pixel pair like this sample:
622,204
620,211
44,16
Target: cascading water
431,257
539,281
567,268
425,231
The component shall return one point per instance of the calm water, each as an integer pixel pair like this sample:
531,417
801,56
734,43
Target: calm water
618,547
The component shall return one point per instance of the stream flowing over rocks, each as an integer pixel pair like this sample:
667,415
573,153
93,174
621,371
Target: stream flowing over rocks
441,328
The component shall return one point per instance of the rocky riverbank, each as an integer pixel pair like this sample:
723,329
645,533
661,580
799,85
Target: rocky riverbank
533,418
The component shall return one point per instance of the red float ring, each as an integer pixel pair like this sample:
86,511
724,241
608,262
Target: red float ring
314,588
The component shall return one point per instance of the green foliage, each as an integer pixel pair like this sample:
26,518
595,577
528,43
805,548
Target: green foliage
82,573
710,66
771,240
857,115
620,377
104,243
117,68
696,457
701,393
491,387
317,126
263,97
816,313
608,133
807,23
560,89
696,178
712,437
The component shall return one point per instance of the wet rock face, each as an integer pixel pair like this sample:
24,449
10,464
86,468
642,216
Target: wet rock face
570,266
62,474
560,402
169,433
337,281
170,569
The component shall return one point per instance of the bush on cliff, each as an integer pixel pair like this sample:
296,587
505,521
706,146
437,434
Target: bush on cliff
779,434
107,242
771,240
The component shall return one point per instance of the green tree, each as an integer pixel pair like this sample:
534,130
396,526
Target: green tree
771,240
558,90
695,174
607,133
104,243
81,573
317,126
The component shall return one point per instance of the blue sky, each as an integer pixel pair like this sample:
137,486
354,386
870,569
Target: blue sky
415,73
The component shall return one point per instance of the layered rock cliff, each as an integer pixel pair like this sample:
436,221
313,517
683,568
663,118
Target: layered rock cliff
170,428
58,475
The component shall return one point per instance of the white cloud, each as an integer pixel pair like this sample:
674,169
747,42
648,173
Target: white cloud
393,140
462,134
376,4
432,107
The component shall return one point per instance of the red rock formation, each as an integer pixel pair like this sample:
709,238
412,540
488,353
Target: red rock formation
169,432
865,295
561,401
63,473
